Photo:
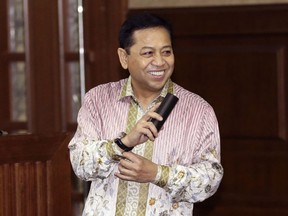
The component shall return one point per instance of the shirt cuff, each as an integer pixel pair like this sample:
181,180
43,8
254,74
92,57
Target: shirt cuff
162,176
113,151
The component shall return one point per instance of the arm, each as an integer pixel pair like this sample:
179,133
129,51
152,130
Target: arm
91,157
199,180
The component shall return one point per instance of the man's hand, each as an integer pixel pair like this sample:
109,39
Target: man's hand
143,130
136,168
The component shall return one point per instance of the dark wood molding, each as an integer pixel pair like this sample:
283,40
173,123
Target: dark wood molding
213,20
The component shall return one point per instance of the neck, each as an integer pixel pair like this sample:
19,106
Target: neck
146,98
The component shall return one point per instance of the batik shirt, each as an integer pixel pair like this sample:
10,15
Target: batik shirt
187,151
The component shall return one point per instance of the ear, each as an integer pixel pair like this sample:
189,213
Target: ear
123,58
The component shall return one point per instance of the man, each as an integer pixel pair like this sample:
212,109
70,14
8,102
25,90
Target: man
135,169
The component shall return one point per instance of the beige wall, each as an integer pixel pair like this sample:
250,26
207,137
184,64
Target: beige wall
196,3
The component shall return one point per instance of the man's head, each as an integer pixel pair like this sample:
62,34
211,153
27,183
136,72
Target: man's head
146,51
138,22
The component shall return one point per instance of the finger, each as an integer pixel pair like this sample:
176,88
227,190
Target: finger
146,128
154,108
122,169
154,115
130,157
121,176
125,173
150,132
153,129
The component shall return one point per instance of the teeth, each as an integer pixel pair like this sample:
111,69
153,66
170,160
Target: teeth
157,73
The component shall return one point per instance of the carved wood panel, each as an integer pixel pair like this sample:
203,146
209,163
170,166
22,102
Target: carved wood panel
35,175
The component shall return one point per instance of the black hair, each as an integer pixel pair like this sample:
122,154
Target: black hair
137,22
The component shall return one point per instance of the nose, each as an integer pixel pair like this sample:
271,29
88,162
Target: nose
158,60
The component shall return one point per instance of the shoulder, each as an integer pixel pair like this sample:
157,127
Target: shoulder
107,91
189,98
192,104
194,108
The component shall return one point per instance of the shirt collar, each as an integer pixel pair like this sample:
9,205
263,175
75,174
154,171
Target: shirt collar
127,90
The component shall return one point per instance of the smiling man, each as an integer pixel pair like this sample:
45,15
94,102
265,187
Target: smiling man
135,169
150,61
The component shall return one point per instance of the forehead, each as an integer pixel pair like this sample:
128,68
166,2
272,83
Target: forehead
151,36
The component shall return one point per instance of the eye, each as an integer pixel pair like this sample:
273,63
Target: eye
167,52
147,54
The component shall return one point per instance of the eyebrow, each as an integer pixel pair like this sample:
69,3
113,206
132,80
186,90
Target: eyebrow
147,47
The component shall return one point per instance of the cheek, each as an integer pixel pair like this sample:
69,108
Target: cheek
137,64
171,61
172,64
144,63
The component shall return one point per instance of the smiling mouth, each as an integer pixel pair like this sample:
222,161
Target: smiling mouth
157,73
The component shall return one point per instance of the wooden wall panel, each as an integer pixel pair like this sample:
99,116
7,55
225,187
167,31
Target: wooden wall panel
215,68
44,93
102,21
236,58
35,176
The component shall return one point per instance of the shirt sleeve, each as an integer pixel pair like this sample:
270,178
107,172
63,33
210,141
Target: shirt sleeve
200,180
90,156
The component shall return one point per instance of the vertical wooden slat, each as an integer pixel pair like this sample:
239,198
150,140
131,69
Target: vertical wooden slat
30,182
6,191
49,190
19,189
10,194
41,182
2,198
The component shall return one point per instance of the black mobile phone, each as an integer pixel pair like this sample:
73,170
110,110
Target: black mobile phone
165,109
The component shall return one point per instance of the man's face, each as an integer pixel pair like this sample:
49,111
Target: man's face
151,60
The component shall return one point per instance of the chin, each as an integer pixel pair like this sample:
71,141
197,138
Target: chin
157,88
